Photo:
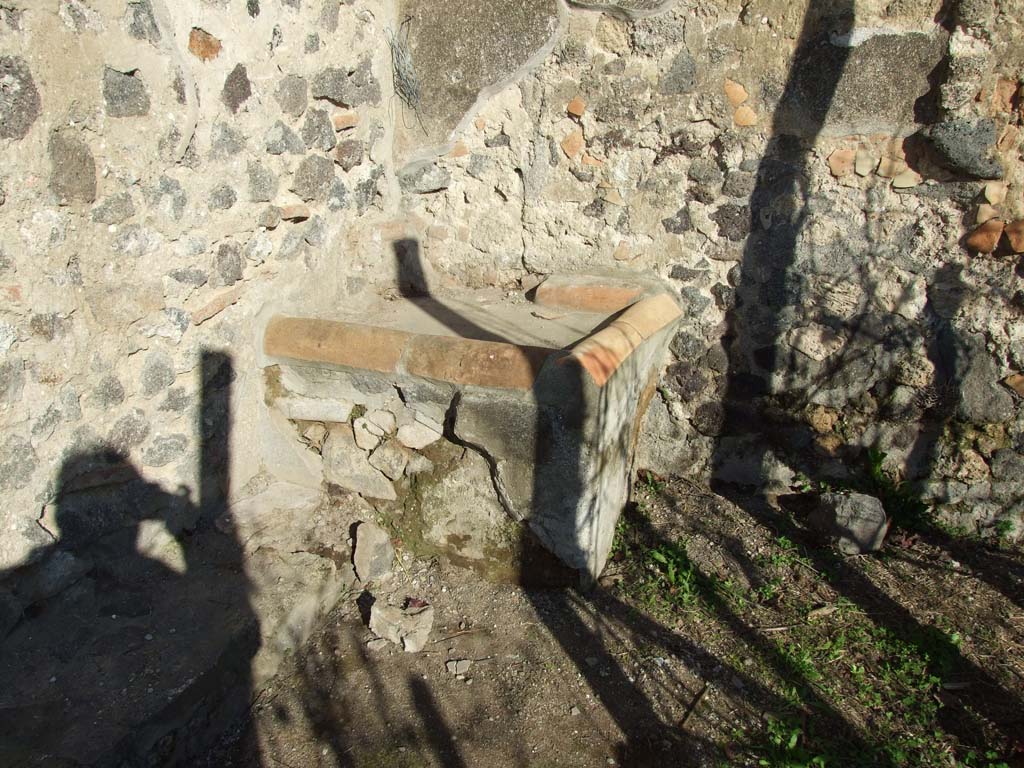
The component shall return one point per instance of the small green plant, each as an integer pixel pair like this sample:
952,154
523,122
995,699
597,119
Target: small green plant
904,507
1003,528
988,760
675,572
650,482
785,750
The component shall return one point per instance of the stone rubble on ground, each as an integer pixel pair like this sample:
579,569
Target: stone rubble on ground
405,627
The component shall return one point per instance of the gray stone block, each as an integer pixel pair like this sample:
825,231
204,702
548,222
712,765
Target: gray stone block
124,94
968,147
856,520
867,81
313,177
20,104
73,175
373,555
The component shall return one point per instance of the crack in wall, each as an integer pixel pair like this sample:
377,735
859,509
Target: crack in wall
499,487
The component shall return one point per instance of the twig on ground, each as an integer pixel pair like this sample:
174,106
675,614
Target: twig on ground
781,628
458,634
693,705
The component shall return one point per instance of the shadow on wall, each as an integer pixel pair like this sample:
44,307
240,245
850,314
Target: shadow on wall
760,397
130,637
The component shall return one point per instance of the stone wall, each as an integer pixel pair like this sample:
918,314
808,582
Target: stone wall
175,172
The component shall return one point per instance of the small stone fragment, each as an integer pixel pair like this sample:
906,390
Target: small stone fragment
348,154
995,192
576,107
222,198
313,177
343,121
140,22
857,520
157,373
225,141
344,88
744,116
373,554
841,162
295,212
390,458
733,221
458,666
735,93
262,183
864,163
114,209
573,144
385,420
280,140
217,305
614,197
906,179
418,464
985,212
424,178
164,450
314,435
73,176
237,88
1015,234
124,94
367,435
681,77
1015,381
985,237
228,264
816,341
318,131
291,95
270,217
678,224
19,99
346,465
129,431
967,146
891,167
409,628
203,45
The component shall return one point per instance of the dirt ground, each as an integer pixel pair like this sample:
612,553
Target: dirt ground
722,633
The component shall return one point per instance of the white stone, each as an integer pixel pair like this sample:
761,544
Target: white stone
390,458
367,435
815,341
417,436
346,465
297,407
384,420
408,628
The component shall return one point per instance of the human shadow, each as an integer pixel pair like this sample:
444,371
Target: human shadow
134,630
